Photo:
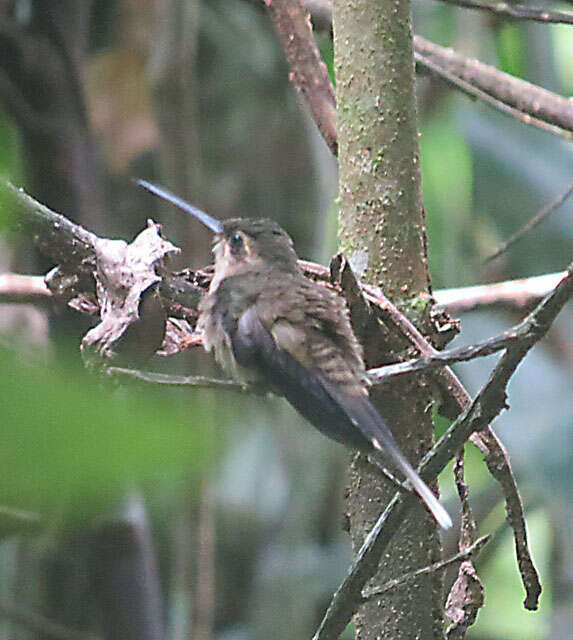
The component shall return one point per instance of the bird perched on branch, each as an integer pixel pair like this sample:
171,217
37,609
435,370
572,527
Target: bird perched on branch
268,324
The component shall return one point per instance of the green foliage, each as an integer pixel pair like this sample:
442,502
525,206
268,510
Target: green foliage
10,163
326,48
67,435
510,49
447,186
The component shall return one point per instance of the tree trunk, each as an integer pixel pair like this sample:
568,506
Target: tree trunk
382,232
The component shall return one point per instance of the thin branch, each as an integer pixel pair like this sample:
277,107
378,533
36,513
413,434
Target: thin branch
22,289
517,293
489,402
517,12
71,244
452,387
445,358
494,454
541,215
461,556
308,74
376,375
468,524
182,295
526,101
56,235
521,99
466,594
471,89
199,382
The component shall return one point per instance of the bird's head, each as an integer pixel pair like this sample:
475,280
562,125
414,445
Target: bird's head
240,244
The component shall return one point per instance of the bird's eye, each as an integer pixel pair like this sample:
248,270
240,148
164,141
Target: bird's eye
236,242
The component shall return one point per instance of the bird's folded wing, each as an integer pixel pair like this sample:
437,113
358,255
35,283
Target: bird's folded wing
349,419
255,348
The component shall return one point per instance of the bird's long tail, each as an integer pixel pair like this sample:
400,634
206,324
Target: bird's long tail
434,505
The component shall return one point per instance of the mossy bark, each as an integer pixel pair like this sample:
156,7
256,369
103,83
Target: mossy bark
382,232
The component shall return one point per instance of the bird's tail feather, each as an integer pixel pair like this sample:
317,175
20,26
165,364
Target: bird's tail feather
374,428
434,505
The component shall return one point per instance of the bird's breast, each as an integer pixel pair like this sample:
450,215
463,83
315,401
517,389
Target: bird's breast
215,322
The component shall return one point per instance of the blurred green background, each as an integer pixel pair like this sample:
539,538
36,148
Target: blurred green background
230,507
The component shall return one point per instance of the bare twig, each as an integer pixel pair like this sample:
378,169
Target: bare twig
61,239
308,72
199,382
516,293
23,289
530,103
445,358
181,293
541,215
487,404
468,525
446,377
527,102
71,244
461,556
466,594
495,454
472,89
517,12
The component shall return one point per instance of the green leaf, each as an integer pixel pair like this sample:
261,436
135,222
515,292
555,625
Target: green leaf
66,435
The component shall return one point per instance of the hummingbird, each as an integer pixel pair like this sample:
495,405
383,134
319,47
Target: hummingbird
268,324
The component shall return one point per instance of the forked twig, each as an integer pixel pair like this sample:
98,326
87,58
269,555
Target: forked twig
461,556
483,409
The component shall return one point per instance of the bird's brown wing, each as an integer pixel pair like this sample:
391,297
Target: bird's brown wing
349,418
311,322
255,348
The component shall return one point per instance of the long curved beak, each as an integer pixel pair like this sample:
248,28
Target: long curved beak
210,222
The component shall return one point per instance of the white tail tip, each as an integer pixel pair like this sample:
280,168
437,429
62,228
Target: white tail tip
438,510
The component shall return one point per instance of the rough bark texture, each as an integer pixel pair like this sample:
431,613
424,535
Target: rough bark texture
382,232
381,220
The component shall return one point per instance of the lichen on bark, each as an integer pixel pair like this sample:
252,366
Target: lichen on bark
382,232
